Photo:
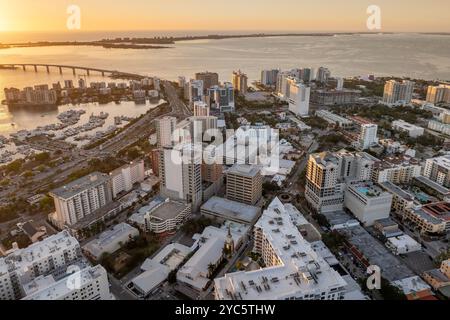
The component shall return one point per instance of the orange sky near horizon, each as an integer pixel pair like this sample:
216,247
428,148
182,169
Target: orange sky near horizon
299,15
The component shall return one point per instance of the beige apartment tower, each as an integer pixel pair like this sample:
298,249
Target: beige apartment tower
244,184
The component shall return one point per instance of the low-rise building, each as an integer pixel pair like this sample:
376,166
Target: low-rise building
431,219
401,200
387,228
412,130
195,274
438,278
335,97
367,251
402,245
157,269
110,241
433,188
414,288
332,118
32,231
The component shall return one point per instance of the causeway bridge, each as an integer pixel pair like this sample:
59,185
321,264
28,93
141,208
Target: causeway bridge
74,69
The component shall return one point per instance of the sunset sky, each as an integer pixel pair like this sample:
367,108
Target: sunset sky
276,15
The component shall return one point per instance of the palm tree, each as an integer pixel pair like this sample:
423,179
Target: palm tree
211,268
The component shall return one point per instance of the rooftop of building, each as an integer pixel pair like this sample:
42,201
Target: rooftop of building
368,189
386,222
30,228
128,165
377,254
396,161
64,286
211,243
325,158
110,237
403,241
139,216
167,210
390,187
231,209
360,120
439,210
443,161
157,269
244,170
412,285
433,185
24,258
73,188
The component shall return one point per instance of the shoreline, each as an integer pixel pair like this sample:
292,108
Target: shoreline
159,42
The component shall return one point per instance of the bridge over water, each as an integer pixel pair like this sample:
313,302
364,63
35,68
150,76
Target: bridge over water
74,69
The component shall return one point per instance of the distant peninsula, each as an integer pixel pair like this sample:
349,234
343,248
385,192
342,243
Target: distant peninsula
162,42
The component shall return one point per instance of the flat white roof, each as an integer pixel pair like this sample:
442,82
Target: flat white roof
244,170
62,287
231,209
109,240
403,241
24,258
412,285
157,269
301,270
443,161
211,242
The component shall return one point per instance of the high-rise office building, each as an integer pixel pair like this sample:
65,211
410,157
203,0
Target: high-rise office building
339,84
398,92
305,74
244,184
209,79
82,197
323,74
283,84
194,90
438,94
221,97
164,131
269,77
180,173
239,81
